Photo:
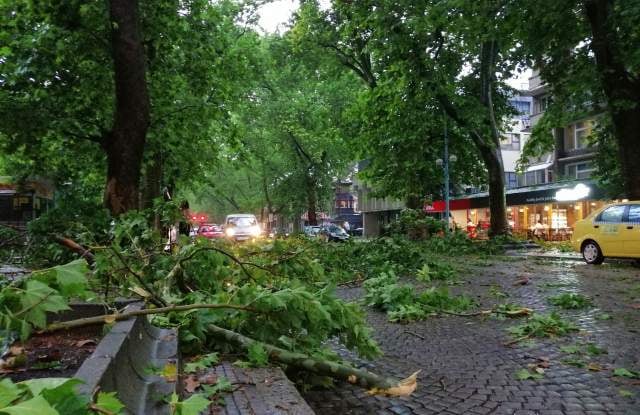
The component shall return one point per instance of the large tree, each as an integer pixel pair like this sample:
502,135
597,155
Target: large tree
589,58
426,59
120,89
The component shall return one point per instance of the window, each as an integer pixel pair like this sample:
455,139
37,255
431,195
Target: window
510,179
523,107
542,104
612,214
579,170
634,213
510,141
581,133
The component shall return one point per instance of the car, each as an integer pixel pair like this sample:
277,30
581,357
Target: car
210,231
613,231
312,231
242,227
333,233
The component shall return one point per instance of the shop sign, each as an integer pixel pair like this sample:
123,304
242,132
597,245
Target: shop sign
580,191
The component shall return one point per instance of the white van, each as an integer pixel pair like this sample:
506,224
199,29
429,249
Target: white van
241,227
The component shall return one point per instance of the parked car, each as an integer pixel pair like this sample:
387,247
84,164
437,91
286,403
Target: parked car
333,233
312,231
210,230
613,231
242,227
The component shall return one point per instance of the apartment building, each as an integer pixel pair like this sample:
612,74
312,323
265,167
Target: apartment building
555,188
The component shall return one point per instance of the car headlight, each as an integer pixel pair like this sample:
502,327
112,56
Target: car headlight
255,230
230,231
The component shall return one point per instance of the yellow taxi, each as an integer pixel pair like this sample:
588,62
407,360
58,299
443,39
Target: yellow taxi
613,231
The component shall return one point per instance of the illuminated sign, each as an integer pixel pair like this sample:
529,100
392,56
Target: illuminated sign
580,191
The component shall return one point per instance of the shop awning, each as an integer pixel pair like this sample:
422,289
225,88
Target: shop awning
439,205
540,166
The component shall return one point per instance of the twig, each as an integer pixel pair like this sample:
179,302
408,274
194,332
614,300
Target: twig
110,318
157,301
415,334
358,280
518,340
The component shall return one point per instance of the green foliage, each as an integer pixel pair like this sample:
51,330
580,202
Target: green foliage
257,355
570,301
525,374
436,270
201,363
415,224
543,325
194,405
53,396
25,303
403,304
626,373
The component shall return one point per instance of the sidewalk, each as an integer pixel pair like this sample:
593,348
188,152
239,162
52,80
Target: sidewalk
540,253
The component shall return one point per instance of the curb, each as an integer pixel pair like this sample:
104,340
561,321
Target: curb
122,361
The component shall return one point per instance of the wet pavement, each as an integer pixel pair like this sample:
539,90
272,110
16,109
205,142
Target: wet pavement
467,369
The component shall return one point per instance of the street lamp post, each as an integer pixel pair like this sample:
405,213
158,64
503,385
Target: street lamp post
444,163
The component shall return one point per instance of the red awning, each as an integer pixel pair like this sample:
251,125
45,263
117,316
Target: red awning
439,205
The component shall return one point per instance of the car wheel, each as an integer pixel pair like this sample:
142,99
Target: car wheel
592,253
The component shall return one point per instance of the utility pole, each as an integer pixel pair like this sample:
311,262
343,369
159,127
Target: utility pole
446,174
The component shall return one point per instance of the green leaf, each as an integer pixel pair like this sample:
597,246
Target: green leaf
9,392
570,349
257,355
194,405
109,402
65,399
34,406
203,362
36,386
524,374
626,373
625,393
71,277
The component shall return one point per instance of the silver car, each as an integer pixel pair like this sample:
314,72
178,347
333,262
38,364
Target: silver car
242,227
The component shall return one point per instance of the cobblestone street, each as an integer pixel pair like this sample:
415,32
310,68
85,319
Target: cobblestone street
467,369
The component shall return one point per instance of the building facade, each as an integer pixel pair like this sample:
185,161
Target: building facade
22,202
554,189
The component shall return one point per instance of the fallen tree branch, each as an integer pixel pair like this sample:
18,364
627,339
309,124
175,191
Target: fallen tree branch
155,299
228,255
376,384
110,318
76,247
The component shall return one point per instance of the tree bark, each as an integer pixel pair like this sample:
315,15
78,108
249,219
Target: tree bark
490,149
621,89
124,145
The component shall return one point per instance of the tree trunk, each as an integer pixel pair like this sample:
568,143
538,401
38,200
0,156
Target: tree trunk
312,205
125,143
492,158
490,148
152,182
621,89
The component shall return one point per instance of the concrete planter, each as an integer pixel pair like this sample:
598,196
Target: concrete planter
123,358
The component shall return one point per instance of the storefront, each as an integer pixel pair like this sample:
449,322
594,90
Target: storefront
556,206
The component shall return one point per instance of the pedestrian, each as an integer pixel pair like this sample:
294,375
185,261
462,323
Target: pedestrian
346,226
184,226
538,230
